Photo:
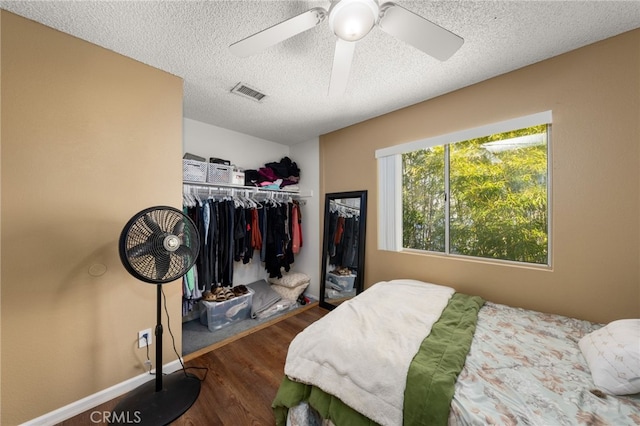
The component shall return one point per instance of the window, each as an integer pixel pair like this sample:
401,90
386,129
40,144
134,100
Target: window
481,193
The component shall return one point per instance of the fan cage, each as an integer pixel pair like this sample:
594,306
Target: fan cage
142,245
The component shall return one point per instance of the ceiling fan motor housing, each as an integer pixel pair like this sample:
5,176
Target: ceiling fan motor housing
351,20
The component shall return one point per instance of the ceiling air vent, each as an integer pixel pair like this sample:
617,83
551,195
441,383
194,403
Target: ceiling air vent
248,92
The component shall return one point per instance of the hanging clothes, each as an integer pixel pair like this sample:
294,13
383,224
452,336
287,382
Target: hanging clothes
232,231
256,233
277,242
343,235
350,243
239,234
296,231
227,243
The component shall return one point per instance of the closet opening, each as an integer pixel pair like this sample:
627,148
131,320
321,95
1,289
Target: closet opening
245,276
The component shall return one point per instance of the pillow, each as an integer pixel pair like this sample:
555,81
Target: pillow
263,297
613,355
288,292
292,279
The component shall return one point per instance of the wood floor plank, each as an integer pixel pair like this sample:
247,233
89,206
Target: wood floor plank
242,377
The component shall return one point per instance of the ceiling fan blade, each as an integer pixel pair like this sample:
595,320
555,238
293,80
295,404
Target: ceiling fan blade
279,32
341,66
422,34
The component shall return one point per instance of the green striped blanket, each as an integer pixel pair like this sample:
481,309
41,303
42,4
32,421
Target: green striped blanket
430,381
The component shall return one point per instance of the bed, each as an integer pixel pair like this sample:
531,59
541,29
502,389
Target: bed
415,353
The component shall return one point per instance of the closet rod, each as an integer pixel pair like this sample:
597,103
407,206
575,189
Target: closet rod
345,206
241,192
251,189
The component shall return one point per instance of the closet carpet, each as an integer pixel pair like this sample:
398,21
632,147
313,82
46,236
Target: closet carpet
196,336
242,376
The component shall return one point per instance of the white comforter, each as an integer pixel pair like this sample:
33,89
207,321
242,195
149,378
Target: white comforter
365,357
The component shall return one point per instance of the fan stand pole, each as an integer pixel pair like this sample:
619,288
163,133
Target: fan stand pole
158,333
163,400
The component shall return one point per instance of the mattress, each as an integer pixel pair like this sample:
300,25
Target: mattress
523,367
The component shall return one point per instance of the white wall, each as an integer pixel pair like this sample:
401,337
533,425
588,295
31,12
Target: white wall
246,152
307,155
249,152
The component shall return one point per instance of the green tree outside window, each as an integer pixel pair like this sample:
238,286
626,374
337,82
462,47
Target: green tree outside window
497,199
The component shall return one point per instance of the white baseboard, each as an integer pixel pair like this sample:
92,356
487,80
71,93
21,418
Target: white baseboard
84,404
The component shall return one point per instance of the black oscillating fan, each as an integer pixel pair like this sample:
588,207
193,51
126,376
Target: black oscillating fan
159,245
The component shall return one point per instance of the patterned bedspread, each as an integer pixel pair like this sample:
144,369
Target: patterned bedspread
525,367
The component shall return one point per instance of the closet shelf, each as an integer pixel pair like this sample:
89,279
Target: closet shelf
247,189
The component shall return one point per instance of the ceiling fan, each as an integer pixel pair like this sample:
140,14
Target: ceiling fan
350,21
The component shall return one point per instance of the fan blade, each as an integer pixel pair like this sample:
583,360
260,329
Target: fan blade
420,33
163,261
185,254
142,249
279,32
341,66
178,229
148,220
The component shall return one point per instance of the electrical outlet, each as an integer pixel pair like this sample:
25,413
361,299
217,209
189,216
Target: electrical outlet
142,342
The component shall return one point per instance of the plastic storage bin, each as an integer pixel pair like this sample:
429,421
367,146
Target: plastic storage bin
341,282
237,177
194,171
219,173
216,315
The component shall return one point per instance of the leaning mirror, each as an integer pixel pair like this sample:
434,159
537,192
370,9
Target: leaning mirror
343,247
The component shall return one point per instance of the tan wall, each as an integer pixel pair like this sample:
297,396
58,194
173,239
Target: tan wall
594,93
89,138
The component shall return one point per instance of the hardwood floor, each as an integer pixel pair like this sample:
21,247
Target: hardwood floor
242,377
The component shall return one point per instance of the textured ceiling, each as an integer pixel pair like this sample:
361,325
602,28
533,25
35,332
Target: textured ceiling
190,39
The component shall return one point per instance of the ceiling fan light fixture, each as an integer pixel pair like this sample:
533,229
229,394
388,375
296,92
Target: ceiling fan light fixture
351,20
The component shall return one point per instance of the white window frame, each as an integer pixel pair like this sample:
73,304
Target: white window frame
390,176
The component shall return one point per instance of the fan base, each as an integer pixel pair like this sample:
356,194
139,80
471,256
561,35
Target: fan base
145,406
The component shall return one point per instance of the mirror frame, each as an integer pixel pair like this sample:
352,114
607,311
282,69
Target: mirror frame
359,280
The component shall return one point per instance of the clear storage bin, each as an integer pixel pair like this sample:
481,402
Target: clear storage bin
216,315
341,282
